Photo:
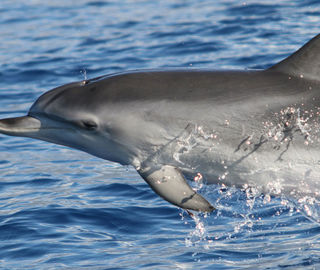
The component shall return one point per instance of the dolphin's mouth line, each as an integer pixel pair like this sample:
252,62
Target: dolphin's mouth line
54,128
55,119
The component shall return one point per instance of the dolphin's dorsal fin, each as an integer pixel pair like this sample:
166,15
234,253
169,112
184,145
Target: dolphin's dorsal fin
304,63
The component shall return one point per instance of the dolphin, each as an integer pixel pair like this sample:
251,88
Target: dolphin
249,129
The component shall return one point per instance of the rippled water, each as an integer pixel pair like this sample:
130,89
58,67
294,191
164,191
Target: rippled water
61,208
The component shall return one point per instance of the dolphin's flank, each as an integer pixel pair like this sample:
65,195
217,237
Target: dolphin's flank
238,128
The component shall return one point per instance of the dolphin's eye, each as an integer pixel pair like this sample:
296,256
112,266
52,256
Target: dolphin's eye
89,124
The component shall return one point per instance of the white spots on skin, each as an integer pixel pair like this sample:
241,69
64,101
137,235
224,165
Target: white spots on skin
198,177
290,120
223,176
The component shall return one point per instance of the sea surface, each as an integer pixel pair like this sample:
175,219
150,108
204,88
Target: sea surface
64,209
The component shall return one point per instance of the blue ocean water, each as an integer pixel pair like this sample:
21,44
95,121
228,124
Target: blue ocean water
64,209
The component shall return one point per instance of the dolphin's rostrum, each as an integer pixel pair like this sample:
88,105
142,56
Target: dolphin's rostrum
238,128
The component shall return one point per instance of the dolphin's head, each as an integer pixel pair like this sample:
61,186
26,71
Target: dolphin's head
73,115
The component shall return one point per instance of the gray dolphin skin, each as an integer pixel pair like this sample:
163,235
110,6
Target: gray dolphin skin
248,129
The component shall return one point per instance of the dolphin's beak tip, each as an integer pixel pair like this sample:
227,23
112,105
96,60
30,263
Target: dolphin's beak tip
19,126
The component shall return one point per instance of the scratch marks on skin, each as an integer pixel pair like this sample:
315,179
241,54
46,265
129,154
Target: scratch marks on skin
293,126
195,138
255,147
242,142
293,123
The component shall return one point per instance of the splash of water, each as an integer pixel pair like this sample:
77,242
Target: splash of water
248,209
84,74
245,206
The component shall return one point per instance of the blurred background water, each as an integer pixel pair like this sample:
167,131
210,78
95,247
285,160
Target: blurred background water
64,209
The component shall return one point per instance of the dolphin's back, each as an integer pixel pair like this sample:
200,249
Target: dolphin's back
193,85
296,74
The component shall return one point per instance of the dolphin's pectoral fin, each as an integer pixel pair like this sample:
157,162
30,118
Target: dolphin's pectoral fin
169,183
